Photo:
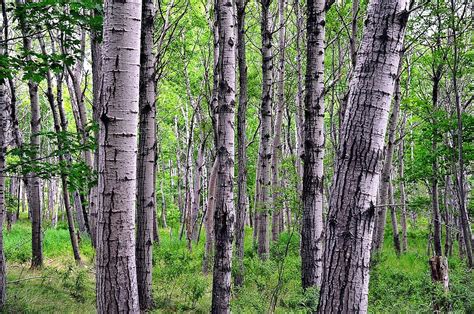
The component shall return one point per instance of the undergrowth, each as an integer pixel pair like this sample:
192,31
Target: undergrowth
398,284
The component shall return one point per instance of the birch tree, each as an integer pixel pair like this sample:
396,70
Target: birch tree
146,200
312,224
265,151
346,256
33,186
3,146
225,213
116,268
241,141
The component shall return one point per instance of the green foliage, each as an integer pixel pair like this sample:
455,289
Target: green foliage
398,284
65,159
74,280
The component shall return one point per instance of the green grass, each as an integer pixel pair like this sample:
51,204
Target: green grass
398,284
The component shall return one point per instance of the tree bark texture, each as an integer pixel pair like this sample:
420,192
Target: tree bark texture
146,201
116,267
3,149
313,176
224,216
265,150
241,143
350,222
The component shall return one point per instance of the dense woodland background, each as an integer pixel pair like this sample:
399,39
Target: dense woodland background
123,173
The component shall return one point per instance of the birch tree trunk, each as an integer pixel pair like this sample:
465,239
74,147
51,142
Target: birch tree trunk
116,267
312,222
277,145
3,149
33,188
225,213
381,217
241,142
346,255
299,99
146,202
265,150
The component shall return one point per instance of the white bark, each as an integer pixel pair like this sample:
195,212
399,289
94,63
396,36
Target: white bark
116,268
350,222
225,212
313,180
3,129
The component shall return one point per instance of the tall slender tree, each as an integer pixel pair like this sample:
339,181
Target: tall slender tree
346,254
146,200
265,150
242,199
116,267
33,186
312,227
3,148
225,213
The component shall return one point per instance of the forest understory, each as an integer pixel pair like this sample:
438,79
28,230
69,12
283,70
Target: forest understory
399,284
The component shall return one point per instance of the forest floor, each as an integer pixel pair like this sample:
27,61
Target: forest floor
398,284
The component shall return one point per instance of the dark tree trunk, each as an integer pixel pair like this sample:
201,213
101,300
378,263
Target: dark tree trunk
241,142
146,202
265,131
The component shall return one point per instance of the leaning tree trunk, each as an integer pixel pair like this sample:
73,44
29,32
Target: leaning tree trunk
3,149
116,268
312,227
146,202
381,216
346,256
225,213
265,131
34,197
241,142
277,145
